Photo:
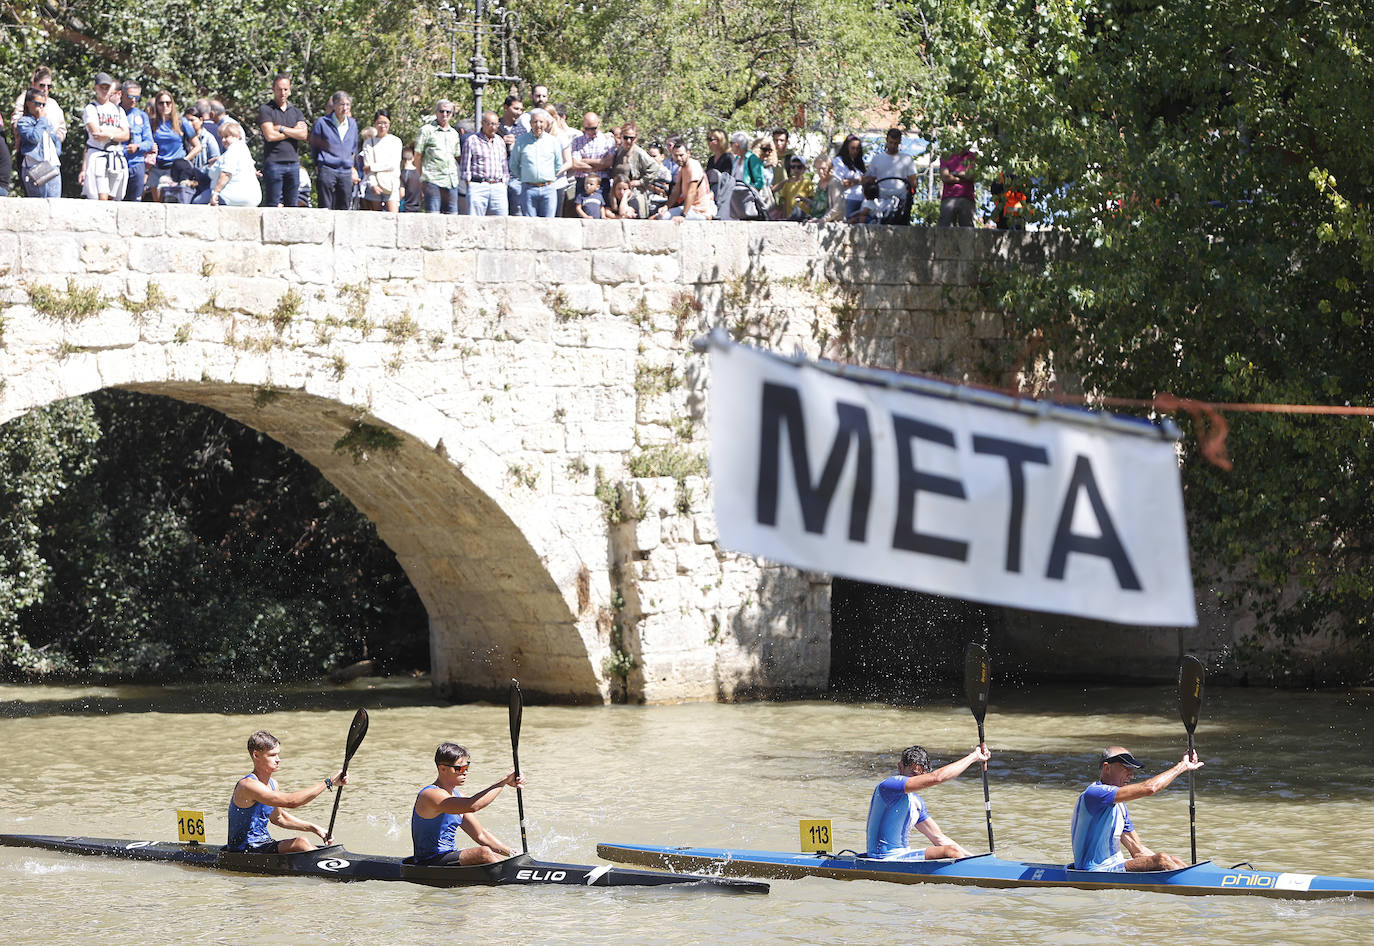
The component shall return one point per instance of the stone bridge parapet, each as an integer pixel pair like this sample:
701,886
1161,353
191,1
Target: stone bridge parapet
514,402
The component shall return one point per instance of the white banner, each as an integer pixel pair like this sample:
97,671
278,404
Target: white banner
1056,511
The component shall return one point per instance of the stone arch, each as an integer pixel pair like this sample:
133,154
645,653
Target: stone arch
495,609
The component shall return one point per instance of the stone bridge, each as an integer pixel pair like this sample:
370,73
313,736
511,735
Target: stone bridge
514,403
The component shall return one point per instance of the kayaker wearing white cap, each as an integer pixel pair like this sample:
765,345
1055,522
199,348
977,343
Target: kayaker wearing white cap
1102,825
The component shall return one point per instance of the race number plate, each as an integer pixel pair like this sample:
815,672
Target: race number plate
816,836
190,826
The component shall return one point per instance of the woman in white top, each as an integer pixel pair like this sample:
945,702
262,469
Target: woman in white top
237,185
691,197
850,169
382,166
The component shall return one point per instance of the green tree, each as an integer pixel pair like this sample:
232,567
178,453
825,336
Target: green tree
1211,161
41,455
153,538
742,63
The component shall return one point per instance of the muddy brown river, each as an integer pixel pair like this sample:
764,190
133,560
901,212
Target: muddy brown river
1289,783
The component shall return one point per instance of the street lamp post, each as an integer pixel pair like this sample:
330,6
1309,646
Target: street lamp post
490,25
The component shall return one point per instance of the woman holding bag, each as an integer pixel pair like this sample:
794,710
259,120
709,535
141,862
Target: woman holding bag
382,166
39,148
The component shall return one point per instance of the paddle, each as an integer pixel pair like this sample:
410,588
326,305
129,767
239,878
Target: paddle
515,711
356,732
977,679
1190,675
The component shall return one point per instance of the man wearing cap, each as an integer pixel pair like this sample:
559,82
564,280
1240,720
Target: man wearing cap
107,130
896,808
1102,825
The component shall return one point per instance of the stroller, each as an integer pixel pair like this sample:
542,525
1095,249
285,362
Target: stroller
745,203
899,214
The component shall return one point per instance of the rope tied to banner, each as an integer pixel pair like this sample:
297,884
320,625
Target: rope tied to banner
1208,419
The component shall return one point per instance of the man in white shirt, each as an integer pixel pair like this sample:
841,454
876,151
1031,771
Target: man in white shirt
540,95
107,128
890,168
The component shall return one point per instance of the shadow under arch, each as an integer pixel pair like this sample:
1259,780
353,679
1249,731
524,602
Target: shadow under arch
495,612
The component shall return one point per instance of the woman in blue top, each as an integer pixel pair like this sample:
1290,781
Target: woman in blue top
441,809
256,801
172,134
38,142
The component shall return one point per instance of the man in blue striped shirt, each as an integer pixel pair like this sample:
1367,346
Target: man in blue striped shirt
1102,824
486,169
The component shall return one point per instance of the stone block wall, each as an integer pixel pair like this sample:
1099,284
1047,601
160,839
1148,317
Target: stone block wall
515,403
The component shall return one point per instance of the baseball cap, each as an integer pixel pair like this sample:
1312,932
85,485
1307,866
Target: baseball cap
104,78
1125,758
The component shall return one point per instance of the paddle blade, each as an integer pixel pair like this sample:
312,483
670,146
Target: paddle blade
516,709
356,732
977,680
1190,677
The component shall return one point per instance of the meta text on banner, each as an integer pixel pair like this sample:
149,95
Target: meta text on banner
887,484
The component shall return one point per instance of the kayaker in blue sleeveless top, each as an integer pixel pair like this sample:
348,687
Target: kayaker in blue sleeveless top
256,801
896,808
441,809
1101,824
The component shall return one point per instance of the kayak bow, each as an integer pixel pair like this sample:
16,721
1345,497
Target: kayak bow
337,863
986,870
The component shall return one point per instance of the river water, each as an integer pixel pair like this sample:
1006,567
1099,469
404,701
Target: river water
1288,784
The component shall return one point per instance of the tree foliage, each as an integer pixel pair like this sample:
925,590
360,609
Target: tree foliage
737,63
1212,160
151,538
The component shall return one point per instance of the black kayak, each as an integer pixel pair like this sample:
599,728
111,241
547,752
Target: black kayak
337,863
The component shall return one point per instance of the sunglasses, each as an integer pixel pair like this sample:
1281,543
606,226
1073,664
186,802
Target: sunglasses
443,111
43,85
460,769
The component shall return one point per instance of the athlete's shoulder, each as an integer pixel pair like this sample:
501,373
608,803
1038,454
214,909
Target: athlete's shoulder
1098,795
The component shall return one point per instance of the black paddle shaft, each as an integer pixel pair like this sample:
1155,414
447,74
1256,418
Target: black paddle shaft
356,731
1190,679
516,711
977,681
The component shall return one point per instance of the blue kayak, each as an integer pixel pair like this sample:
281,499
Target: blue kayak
985,870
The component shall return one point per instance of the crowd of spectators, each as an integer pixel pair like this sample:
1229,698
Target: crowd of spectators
516,162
